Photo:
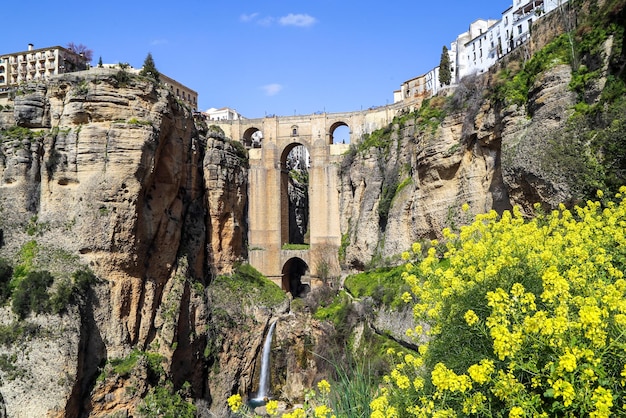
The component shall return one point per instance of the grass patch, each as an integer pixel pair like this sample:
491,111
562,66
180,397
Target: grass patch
295,246
247,282
383,285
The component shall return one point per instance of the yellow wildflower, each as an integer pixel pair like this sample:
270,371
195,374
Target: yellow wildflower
470,317
271,407
235,402
516,412
322,411
323,386
567,362
296,413
603,401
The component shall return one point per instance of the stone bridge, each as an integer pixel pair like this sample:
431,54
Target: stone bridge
269,141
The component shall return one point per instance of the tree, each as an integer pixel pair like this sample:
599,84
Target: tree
81,49
445,74
100,63
149,69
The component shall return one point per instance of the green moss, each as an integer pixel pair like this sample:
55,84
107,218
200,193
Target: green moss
295,247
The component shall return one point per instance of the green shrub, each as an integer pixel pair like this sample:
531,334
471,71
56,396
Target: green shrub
6,271
61,298
163,401
527,316
247,282
383,285
12,333
31,294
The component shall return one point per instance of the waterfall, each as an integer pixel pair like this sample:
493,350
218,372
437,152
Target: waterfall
264,379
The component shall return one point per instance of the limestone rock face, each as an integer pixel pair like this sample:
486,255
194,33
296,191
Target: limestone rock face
117,172
225,182
488,157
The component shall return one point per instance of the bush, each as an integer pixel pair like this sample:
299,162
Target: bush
163,401
383,285
6,271
31,294
246,282
528,318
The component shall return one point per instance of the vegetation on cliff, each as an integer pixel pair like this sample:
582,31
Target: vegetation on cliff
525,317
27,285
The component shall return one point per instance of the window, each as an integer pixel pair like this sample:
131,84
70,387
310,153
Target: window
519,29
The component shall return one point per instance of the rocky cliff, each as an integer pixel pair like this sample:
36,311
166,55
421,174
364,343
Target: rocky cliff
521,134
110,171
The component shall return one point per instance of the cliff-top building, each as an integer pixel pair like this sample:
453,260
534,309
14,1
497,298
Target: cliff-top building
479,48
38,64
41,64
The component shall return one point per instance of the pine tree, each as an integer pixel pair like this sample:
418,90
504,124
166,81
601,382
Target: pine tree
100,63
149,69
445,75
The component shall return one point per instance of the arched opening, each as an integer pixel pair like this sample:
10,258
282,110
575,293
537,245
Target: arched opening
253,138
294,194
294,270
339,133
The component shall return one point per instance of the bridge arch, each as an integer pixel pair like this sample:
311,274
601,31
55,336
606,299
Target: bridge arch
293,271
253,137
294,207
335,128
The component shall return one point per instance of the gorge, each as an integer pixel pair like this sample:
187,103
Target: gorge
140,214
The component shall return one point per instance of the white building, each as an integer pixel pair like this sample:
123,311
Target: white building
481,46
224,113
472,49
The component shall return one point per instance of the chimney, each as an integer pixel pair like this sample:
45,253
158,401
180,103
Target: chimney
30,47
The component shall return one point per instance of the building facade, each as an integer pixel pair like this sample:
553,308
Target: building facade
224,113
181,91
38,64
481,46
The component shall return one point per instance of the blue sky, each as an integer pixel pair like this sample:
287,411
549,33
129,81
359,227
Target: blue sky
260,57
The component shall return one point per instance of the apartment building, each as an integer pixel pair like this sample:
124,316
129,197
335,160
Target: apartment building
38,64
480,47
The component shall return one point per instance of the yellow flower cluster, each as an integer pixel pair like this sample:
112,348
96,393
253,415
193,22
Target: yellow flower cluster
541,304
381,408
316,405
235,402
445,379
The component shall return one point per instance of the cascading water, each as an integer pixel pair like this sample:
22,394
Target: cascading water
264,379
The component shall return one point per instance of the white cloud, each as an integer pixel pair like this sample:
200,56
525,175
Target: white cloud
160,42
272,89
248,18
266,21
300,20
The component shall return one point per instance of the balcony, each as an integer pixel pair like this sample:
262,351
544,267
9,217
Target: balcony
527,9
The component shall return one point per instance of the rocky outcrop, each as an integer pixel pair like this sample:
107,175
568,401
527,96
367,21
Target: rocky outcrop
116,173
485,153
